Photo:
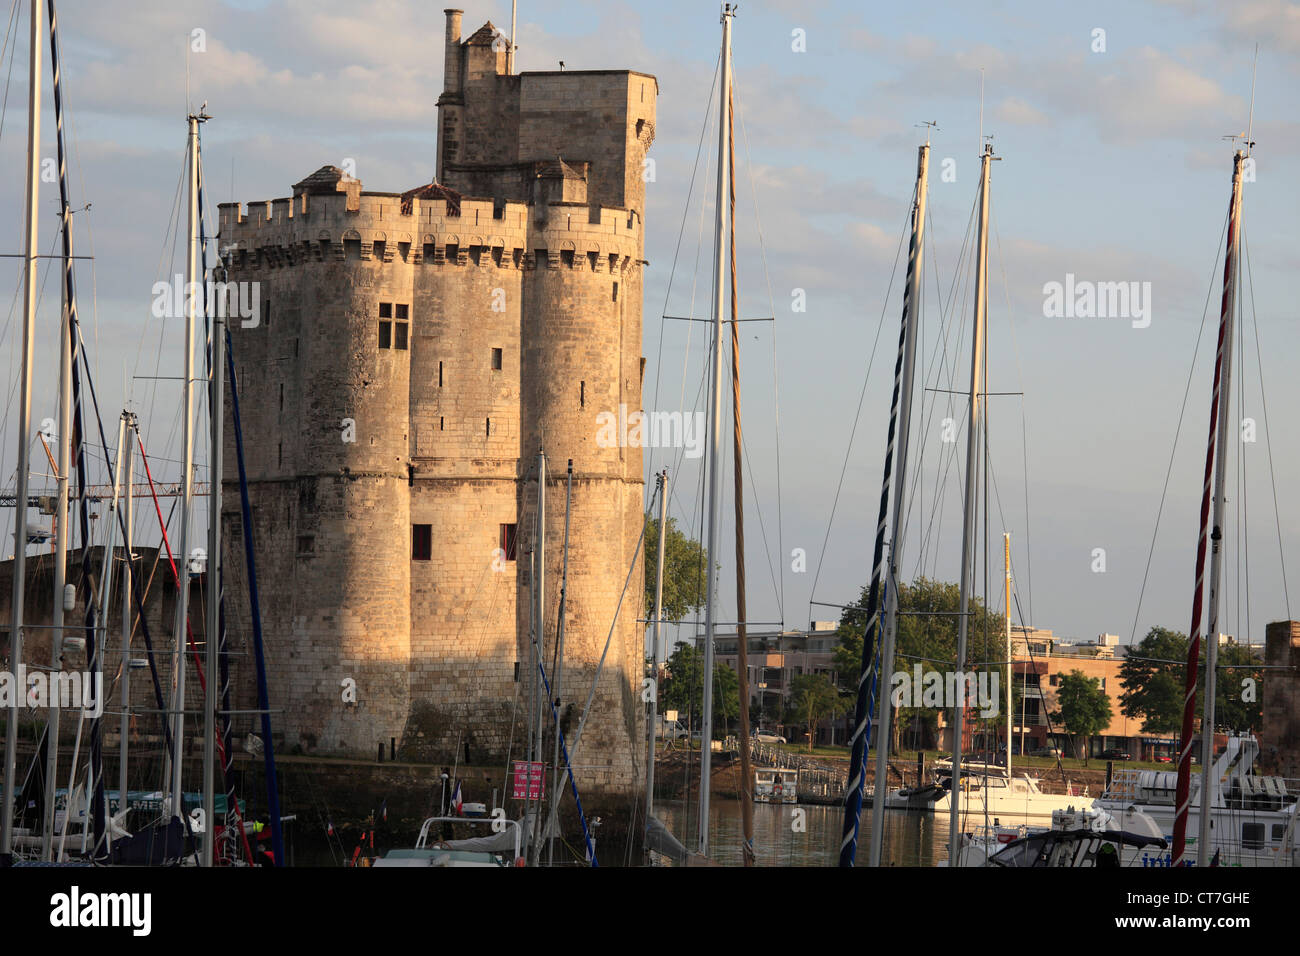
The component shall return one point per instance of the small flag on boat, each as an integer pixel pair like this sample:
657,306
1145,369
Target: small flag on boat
329,828
457,800
383,810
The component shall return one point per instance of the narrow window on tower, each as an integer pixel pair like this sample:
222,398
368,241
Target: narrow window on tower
489,428
421,542
385,325
282,396
440,375
442,423
582,394
615,291
402,326
508,539
496,360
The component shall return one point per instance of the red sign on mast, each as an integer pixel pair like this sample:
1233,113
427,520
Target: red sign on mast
528,780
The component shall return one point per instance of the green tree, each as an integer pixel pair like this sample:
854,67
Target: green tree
683,687
1237,698
684,571
1084,707
927,635
1155,671
1152,677
814,698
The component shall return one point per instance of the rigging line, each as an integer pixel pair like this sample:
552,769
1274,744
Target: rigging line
1268,440
960,285
1243,515
923,421
762,527
672,272
1020,372
1029,647
776,378
13,55
830,523
941,350
687,353
170,236
677,462
940,353
1179,428
571,752
40,297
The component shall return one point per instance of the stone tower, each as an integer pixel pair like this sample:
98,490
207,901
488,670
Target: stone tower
1280,733
413,353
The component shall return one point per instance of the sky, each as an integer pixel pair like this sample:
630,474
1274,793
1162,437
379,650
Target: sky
1108,120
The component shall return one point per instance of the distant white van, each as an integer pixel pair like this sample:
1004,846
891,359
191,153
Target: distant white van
669,729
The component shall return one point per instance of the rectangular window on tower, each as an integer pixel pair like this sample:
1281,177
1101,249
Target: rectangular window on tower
496,360
508,541
403,325
385,325
421,542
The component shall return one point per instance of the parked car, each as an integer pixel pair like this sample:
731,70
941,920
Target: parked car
768,737
1116,753
1045,752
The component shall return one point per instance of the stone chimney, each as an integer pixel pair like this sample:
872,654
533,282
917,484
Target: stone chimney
452,101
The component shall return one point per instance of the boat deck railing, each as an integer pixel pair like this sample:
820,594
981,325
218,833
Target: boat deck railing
817,780
1157,786
422,841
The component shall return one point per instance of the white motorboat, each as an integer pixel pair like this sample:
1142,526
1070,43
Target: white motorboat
1252,818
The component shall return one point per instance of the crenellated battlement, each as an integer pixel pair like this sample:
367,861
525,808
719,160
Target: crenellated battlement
317,226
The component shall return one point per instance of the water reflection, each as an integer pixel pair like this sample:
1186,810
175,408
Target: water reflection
911,839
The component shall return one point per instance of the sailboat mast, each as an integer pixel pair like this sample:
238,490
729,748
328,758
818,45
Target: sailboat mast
1006,622
715,423
211,630
60,553
661,481
95,790
24,425
187,439
539,618
1216,538
128,453
737,456
558,667
1216,454
911,320
968,529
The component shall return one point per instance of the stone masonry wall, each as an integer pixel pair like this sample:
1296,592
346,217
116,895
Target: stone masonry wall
524,324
